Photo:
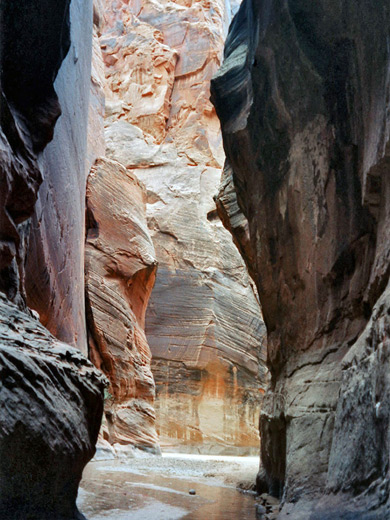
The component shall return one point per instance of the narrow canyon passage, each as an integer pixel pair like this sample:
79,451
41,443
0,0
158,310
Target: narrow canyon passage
194,260
173,317
162,273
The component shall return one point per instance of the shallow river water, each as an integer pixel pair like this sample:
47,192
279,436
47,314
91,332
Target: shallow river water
158,489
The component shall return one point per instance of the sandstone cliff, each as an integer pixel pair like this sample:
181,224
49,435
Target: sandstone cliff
203,322
120,268
50,395
54,266
303,99
120,272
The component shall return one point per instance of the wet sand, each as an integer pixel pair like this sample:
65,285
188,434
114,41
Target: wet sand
157,488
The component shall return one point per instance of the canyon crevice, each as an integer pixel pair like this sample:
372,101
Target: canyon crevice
161,126
128,312
302,97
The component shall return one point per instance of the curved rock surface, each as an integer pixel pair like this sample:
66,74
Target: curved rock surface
51,408
54,267
203,322
303,98
50,396
120,272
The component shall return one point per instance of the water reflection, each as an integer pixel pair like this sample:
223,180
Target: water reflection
115,491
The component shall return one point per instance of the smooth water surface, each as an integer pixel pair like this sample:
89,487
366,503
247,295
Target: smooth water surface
125,490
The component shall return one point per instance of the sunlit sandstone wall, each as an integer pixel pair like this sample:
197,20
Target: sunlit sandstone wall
120,269
203,322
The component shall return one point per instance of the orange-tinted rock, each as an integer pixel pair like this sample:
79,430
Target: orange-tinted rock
203,322
120,273
160,57
140,70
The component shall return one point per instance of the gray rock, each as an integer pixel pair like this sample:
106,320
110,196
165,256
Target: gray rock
50,414
260,511
303,101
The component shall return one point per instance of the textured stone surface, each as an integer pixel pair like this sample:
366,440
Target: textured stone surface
160,57
50,395
29,108
203,323
51,408
95,133
303,100
120,272
55,277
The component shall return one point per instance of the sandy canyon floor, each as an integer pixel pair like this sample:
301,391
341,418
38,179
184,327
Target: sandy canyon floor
157,488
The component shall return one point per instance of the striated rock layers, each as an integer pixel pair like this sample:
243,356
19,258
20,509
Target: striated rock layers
203,322
51,397
303,98
120,268
120,272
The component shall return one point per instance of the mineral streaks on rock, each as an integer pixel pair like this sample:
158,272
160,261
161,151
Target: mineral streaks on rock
120,274
303,101
50,414
203,322
54,267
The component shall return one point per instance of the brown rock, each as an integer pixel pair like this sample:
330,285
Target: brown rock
303,104
120,273
203,322
50,396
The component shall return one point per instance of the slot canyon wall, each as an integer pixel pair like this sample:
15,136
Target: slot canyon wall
51,396
303,99
120,270
203,322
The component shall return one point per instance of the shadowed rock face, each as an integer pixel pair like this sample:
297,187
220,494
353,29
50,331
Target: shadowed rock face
303,100
203,322
51,407
54,268
29,108
50,395
120,273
